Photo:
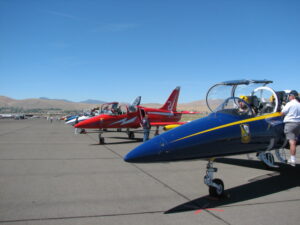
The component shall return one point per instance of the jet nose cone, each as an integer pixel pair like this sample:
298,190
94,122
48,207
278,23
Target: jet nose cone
80,124
150,151
131,156
85,124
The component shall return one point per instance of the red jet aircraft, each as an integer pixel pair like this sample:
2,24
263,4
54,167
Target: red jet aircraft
130,117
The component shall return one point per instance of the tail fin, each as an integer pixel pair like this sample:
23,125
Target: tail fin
171,103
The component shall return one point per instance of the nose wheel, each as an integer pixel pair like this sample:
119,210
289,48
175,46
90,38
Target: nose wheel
216,191
215,186
101,139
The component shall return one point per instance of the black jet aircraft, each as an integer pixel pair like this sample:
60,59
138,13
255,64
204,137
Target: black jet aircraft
245,118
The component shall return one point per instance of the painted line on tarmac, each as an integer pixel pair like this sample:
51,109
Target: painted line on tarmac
162,183
58,159
79,217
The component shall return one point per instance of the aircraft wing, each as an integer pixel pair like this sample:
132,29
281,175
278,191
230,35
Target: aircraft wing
166,123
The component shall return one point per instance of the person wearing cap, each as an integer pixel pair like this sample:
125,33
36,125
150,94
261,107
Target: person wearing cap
291,113
244,109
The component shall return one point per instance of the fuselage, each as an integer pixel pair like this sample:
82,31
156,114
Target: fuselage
70,118
218,134
128,120
78,119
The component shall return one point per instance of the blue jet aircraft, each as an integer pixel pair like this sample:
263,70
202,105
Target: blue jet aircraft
245,118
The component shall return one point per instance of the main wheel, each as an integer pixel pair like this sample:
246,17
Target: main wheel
131,135
156,132
101,140
217,192
82,131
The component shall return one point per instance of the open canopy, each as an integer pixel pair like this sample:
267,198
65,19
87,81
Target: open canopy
254,93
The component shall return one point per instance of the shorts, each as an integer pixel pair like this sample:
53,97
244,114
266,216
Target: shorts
292,131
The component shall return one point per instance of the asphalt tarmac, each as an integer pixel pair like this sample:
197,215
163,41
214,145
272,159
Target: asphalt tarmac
49,175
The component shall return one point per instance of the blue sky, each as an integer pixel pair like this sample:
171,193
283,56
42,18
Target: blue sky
116,49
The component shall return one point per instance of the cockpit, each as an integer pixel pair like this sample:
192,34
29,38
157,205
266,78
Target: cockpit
114,108
243,97
110,108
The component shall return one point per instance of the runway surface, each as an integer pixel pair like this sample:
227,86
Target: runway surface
49,175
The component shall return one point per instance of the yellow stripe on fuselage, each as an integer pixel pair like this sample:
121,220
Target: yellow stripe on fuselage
277,114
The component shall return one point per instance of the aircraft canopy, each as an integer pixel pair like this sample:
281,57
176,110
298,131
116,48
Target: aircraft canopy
254,92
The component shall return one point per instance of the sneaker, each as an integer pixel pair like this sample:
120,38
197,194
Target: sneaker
292,163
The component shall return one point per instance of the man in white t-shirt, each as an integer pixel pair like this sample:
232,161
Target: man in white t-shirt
291,111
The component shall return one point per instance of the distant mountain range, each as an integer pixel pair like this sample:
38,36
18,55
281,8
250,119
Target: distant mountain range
89,101
45,98
46,103
92,101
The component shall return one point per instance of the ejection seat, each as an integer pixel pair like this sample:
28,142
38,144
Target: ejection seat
254,103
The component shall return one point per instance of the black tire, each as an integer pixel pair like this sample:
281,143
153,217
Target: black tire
101,140
214,192
131,135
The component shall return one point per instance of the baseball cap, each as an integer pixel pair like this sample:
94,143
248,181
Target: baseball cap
293,92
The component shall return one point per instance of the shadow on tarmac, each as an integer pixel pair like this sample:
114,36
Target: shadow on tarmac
126,141
283,178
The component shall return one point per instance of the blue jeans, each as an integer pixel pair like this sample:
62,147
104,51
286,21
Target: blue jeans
146,135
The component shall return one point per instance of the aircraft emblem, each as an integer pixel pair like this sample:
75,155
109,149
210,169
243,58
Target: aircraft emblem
245,133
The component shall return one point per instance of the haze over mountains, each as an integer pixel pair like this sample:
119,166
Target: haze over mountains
88,101
63,104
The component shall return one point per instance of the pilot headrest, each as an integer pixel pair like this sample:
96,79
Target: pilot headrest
272,98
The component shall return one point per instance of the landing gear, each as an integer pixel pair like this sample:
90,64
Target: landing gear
156,131
101,139
216,186
217,192
130,135
82,131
